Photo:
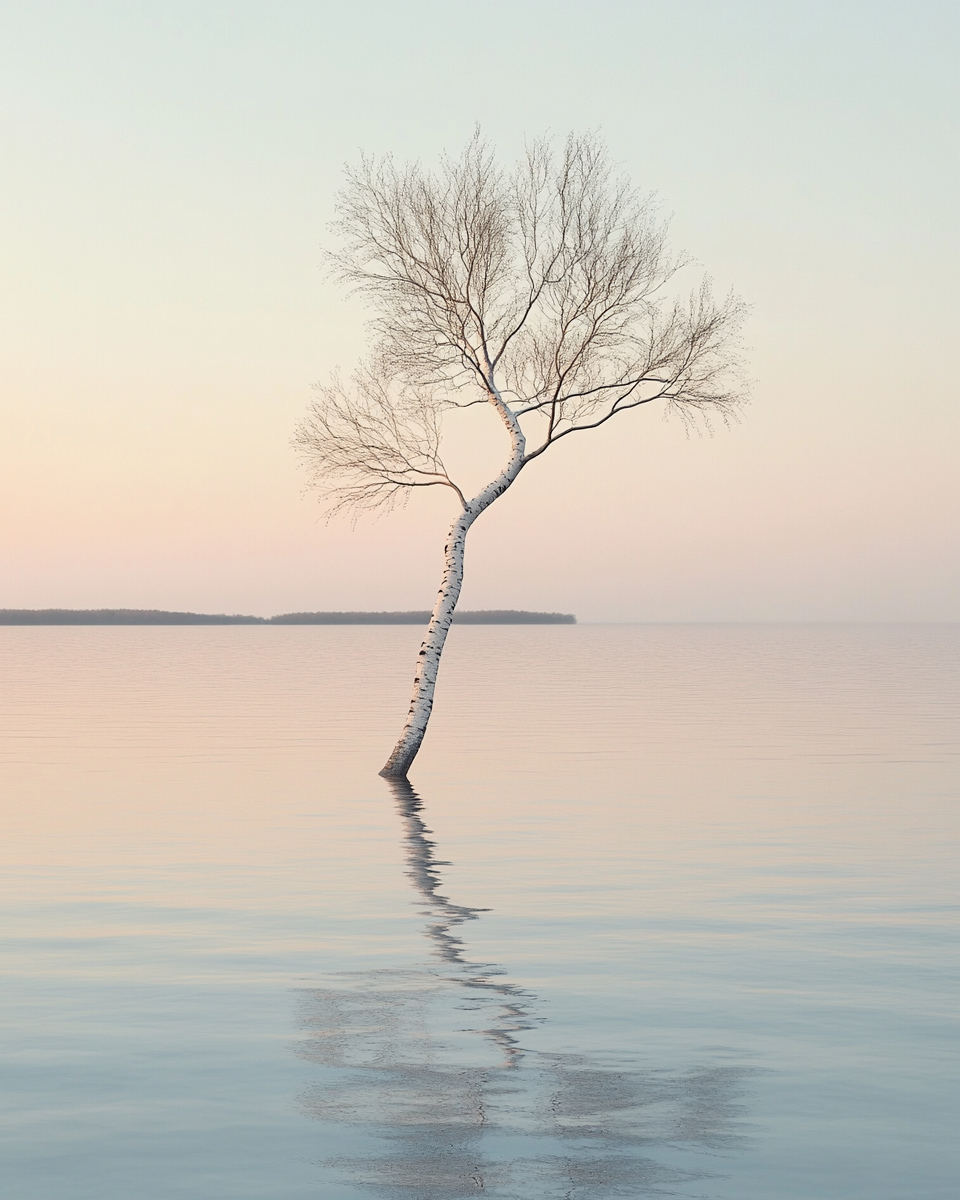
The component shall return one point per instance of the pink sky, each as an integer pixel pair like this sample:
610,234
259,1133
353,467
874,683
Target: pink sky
173,168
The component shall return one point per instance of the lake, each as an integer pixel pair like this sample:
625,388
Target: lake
665,910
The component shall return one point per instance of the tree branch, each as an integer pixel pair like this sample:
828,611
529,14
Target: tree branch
549,283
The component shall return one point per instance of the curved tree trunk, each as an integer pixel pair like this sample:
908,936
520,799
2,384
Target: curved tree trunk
428,659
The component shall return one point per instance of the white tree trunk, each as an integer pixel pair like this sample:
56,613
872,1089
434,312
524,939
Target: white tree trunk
428,659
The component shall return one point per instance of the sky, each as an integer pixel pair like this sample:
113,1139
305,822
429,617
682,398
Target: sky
169,173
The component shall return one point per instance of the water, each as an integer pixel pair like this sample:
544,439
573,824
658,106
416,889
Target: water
668,910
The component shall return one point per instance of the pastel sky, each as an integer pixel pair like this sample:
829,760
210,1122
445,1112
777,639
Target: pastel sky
168,176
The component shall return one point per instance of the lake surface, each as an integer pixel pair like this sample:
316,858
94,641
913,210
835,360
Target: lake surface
666,910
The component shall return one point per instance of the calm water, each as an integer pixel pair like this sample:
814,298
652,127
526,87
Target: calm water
668,910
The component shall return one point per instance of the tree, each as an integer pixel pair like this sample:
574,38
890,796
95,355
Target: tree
540,292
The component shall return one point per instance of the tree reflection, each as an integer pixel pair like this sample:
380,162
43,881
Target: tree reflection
423,872
456,1110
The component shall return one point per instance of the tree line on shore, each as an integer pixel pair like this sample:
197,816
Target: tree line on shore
154,616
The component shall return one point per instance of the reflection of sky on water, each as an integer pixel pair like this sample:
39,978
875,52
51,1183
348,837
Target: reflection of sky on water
429,1062
724,846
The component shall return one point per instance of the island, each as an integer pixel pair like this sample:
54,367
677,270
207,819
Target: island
156,616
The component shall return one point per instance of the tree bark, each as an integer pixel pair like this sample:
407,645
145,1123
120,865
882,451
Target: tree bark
428,659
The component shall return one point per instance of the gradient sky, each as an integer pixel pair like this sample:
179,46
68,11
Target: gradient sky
168,176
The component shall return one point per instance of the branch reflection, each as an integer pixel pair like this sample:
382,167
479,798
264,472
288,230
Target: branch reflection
456,1113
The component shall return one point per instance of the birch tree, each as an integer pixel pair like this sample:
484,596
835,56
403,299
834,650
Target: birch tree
546,293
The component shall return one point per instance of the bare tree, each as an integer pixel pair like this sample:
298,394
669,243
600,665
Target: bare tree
541,292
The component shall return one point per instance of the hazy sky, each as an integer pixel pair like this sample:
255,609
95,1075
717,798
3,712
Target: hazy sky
168,174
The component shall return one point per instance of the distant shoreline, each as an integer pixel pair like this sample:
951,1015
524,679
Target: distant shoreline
153,616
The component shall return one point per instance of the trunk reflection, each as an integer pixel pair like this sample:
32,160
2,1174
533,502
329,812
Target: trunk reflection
460,1109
